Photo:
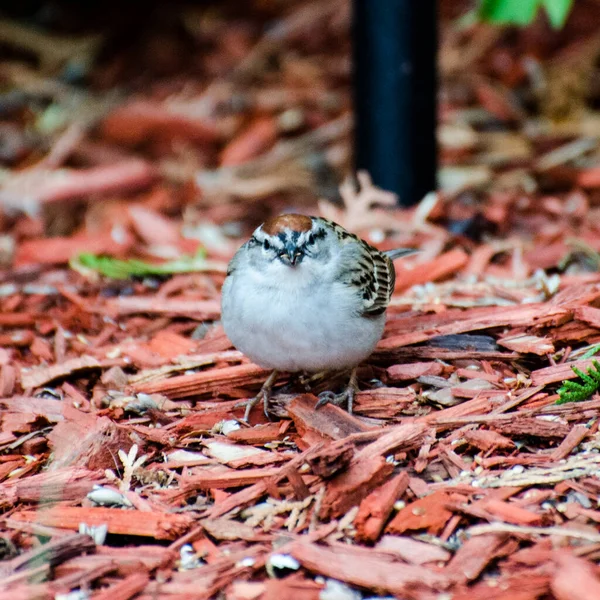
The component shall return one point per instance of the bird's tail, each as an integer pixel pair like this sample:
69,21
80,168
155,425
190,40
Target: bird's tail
399,252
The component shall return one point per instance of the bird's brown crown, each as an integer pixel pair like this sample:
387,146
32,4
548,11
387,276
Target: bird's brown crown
292,222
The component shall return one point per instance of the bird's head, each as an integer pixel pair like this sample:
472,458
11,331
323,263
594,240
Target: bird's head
290,240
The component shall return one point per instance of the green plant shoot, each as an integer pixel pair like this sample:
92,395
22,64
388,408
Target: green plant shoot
575,391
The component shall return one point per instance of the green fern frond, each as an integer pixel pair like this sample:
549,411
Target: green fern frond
591,349
574,391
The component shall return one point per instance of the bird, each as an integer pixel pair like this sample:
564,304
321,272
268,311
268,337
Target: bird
304,295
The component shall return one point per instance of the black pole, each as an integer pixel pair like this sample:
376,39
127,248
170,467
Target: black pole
395,47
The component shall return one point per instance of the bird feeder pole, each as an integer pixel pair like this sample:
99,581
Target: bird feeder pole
395,48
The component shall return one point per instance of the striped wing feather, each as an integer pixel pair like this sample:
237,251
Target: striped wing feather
369,270
378,289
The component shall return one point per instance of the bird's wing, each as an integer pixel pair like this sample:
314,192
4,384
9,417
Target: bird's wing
371,272
368,270
380,285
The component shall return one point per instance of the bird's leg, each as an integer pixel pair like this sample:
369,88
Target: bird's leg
304,381
347,396
264,395
308,380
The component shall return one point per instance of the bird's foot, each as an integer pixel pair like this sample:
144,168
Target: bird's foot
307,380
264,395
345,397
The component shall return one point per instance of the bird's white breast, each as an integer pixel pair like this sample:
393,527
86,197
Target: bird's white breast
295,320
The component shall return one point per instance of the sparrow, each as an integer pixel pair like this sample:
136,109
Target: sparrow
305,295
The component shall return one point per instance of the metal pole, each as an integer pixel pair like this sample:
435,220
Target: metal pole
395,47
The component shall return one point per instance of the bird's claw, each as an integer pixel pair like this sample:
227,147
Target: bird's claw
264,395
325,398
250,404
345,397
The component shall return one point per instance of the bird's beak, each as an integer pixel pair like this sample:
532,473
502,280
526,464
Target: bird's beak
290,255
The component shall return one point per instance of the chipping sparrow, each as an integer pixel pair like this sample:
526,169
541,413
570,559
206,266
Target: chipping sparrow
304,294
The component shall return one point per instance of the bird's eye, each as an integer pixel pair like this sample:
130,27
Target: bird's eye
310,239
266,244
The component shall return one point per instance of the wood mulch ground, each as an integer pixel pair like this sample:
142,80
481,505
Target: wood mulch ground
125,471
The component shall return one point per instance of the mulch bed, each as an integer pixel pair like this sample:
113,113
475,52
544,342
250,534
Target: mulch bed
125,469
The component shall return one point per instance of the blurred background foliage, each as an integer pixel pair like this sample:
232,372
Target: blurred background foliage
523,12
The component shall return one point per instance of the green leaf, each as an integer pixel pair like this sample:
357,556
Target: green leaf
558,11
509,12
122,269
523,12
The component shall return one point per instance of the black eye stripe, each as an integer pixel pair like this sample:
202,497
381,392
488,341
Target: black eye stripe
283,239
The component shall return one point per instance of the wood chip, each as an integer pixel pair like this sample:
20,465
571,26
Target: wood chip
161,526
